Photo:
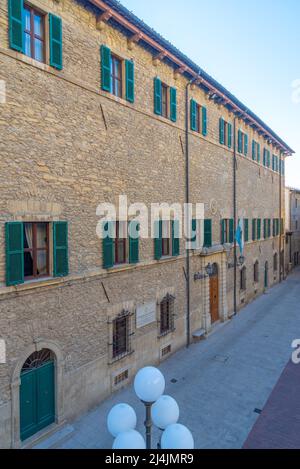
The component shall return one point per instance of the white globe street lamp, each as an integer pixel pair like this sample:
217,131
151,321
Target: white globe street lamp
165,412
149,385
177,436
120,419
129,440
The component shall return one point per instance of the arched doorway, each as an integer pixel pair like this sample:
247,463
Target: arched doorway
214,294
37,393
266,274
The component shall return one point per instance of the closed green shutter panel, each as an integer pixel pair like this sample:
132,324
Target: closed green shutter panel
55,41
15,15
175,238
253,229
105,68
60,249
231,230
130,81
173,104
229,135
265,228
240,145
268,159
269,227
246,145
108,244
253,150
258,153
207,233
265,157
222,131
194,234
133,242
223,231
193,114
246,230
158,239
274,227
258,228
204,121
157,96
14,253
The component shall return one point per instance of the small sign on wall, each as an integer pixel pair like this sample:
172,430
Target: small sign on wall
145,314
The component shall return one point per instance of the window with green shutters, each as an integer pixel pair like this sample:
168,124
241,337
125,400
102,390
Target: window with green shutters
254,229
227,230
242,143
55,41
198,118
60,249
165,100
120,244
27,33
255,151
225,133
266,158
14,253
115,71
166,238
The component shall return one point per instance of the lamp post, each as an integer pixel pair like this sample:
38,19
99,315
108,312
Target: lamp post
161,410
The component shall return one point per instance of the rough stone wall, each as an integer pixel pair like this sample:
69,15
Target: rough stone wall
66,146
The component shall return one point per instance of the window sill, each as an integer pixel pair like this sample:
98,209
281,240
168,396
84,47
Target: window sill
165,334
121,357
29,61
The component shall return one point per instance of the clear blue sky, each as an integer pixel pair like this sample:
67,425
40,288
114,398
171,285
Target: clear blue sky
251,47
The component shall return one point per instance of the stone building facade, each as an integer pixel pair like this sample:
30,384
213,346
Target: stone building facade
292,227
96,108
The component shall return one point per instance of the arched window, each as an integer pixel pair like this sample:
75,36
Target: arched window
243,279
256,272
275,262
38,359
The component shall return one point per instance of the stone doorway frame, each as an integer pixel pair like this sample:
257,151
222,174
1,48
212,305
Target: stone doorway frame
36,346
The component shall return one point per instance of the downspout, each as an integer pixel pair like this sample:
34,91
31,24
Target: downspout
281,261
234,217
187,201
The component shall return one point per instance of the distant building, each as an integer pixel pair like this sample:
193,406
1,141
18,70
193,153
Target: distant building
292,227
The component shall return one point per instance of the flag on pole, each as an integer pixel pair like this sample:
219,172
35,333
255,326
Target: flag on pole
239,236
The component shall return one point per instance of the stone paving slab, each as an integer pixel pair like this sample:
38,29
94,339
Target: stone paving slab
217,397
278,426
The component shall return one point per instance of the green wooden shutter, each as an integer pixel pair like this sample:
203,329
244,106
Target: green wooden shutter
269,227
223,231
231,230
245,144
246,230
105,68
265,228
258,228
265,157
173,104
129,81
133,242
258,153
108,245
268,158
194,236
175,238
157,96
14,253
240,142
222,131
207,233
60,249
253,150
15,19
204,121
193,115
229,135
158,239
55,41
254,229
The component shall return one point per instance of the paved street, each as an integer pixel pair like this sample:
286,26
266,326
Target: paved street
221,383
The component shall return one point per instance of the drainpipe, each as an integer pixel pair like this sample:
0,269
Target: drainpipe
187,200
280,234
235,218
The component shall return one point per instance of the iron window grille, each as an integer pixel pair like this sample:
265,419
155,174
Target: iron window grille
122,333
166,315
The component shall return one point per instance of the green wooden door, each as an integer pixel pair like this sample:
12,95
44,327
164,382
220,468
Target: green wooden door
36,399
